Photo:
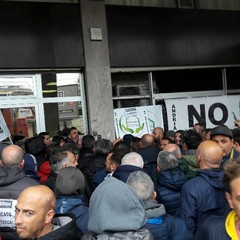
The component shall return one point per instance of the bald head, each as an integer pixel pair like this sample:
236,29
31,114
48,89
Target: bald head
209,154
147,140
174,149
40,195
34,212
12,155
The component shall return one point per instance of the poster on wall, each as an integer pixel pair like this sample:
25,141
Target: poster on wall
213,111
4,132
137,120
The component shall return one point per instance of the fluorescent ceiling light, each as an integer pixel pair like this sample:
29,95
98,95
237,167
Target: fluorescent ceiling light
49,91
51,84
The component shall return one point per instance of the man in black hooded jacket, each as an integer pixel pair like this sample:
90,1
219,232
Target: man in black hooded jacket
35,217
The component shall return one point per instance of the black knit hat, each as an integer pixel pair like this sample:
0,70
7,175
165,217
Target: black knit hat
221,130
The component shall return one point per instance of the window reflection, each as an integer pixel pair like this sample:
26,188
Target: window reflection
20,120
64,109
16,85
62,115
61,84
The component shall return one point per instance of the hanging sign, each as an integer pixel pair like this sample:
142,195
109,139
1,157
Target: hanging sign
4,132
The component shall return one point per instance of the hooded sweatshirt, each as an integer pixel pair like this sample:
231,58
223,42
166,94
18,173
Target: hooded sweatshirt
201,197
163,226
63,228
220,228
230,224
70,187
115,207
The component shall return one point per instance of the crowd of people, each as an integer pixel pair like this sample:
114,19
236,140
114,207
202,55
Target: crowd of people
167,185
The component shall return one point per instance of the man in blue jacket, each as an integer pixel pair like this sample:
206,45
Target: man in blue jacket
225,227
204,195
163,226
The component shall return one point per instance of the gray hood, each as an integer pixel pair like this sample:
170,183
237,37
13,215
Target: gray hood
70,181
115,207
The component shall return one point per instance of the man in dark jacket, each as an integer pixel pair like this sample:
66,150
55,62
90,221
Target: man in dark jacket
162,225
204,195
35,216
149,153
225,227
169,181
130,162
86,152
13,181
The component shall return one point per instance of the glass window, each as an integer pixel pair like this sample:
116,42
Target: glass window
188,80
61,85
53,101
131,89
20,120
233,78
16,85
63,114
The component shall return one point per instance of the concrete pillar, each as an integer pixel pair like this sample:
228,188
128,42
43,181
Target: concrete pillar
97,69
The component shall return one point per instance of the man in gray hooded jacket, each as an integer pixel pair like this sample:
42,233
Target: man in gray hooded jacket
115,212
13,181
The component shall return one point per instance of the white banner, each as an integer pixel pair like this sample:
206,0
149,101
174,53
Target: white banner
184,113
137,120
4,132
7,212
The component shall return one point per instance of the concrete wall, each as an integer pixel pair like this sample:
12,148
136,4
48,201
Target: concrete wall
97,70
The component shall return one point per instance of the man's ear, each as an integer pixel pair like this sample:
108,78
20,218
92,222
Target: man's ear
49,216
113,167
229,199
1,163
198,159
235,145
154,195
21,164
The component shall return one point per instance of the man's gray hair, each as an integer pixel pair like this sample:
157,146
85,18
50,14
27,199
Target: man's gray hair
142,184
166,160
58,159
174,149
133,159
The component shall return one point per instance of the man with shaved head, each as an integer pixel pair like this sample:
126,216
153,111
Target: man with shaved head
149,153
13,181
35,216
204,195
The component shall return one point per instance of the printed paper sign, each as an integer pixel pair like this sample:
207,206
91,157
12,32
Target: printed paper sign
4,132
137,120
7,212
25,112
